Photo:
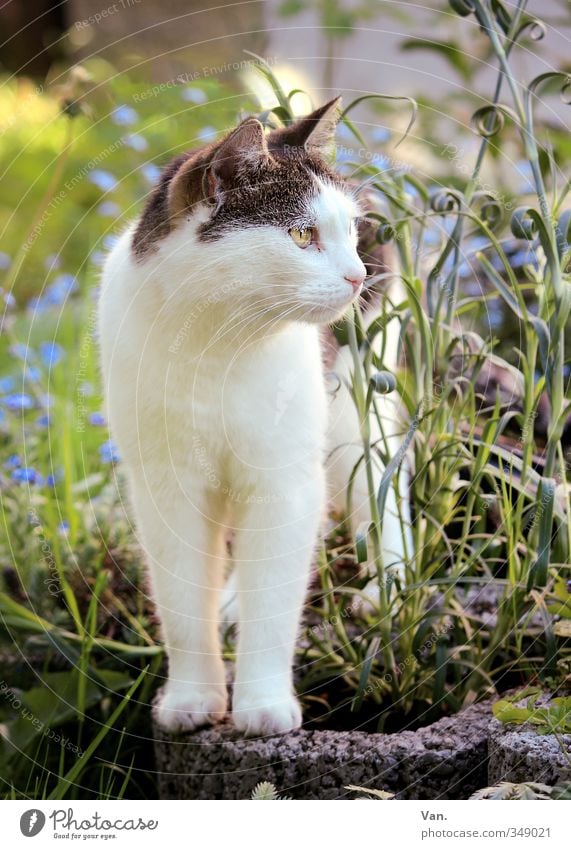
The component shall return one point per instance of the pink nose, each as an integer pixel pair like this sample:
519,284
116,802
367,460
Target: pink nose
356,280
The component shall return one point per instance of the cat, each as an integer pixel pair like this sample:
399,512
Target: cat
210,314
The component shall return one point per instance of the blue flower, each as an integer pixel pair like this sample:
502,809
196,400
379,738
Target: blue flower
151,173
110,240
498,263
207,134
13,462
58,291
524,257
464,269
380,135
343,132
431,237
109,452
8,299
383,163
103,180
51,353
5,261
32,374
63,527
98,257
25,474
53,479
7,384
136,141
97,419
194,95
478,243
473,288
37,305
124,116
43,421
19,350
86,389
18,402
109,209
345,155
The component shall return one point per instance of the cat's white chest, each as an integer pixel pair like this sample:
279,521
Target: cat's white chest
230,416
260,407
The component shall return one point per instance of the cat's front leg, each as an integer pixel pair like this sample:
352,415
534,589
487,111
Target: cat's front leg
273,549
184,541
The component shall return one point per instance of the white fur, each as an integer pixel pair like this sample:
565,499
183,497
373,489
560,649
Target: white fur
215,394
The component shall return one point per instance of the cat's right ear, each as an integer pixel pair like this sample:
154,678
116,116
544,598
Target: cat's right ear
313,132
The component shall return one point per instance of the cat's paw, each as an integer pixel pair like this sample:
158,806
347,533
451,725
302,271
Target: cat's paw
189,708
265,715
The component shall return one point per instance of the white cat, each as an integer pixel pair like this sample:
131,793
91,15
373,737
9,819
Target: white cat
212,370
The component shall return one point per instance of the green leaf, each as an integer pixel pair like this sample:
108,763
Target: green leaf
372,650
507,712
289,8
335,17
560,603
394,464
452,52
546,498
361,541
42,710
562,791
410,100
277,88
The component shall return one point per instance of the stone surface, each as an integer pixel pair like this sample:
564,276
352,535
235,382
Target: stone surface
518,754
446,760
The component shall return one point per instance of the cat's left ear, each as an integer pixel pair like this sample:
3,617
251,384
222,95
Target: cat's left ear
210,173
244,150
314,131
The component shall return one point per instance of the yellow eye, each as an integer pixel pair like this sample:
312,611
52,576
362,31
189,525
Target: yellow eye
302,236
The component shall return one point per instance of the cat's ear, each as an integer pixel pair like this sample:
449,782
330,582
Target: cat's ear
244,150
209,173
315,131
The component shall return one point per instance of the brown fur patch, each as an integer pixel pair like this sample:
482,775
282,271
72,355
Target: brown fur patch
164,207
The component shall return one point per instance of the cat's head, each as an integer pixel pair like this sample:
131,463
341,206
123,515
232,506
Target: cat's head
265,212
